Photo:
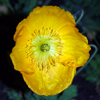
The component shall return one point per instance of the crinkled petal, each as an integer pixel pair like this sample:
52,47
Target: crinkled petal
75,47
56,80
48,16
48,72
18,55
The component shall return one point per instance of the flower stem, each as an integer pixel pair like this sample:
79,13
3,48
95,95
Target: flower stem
81,15
96,49
92,36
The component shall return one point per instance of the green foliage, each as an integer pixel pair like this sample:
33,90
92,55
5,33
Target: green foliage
67,94
28,5
92,73
22,6
12,94
91,9
38,97
7,3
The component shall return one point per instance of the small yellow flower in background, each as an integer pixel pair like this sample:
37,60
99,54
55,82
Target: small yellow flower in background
48,50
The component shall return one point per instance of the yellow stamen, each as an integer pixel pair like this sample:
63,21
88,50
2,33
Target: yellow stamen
44,44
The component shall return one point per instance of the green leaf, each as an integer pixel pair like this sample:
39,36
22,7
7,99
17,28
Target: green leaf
29,5
7,3
69,93
92,73
12,94
38,97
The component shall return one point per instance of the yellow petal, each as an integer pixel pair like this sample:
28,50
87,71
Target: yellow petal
49,70
18,55
56,80
75,49
48,16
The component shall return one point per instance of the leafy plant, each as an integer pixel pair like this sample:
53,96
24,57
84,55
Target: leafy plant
7,3
22,6
67,94
91,8
92,73
25,6
12,94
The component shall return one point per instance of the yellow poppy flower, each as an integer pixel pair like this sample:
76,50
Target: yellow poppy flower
48,50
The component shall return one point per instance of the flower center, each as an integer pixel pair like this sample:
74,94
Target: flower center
45,47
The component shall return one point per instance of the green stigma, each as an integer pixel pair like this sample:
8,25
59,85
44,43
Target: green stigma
45,47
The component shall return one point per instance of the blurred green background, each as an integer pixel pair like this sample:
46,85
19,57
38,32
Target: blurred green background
85,86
